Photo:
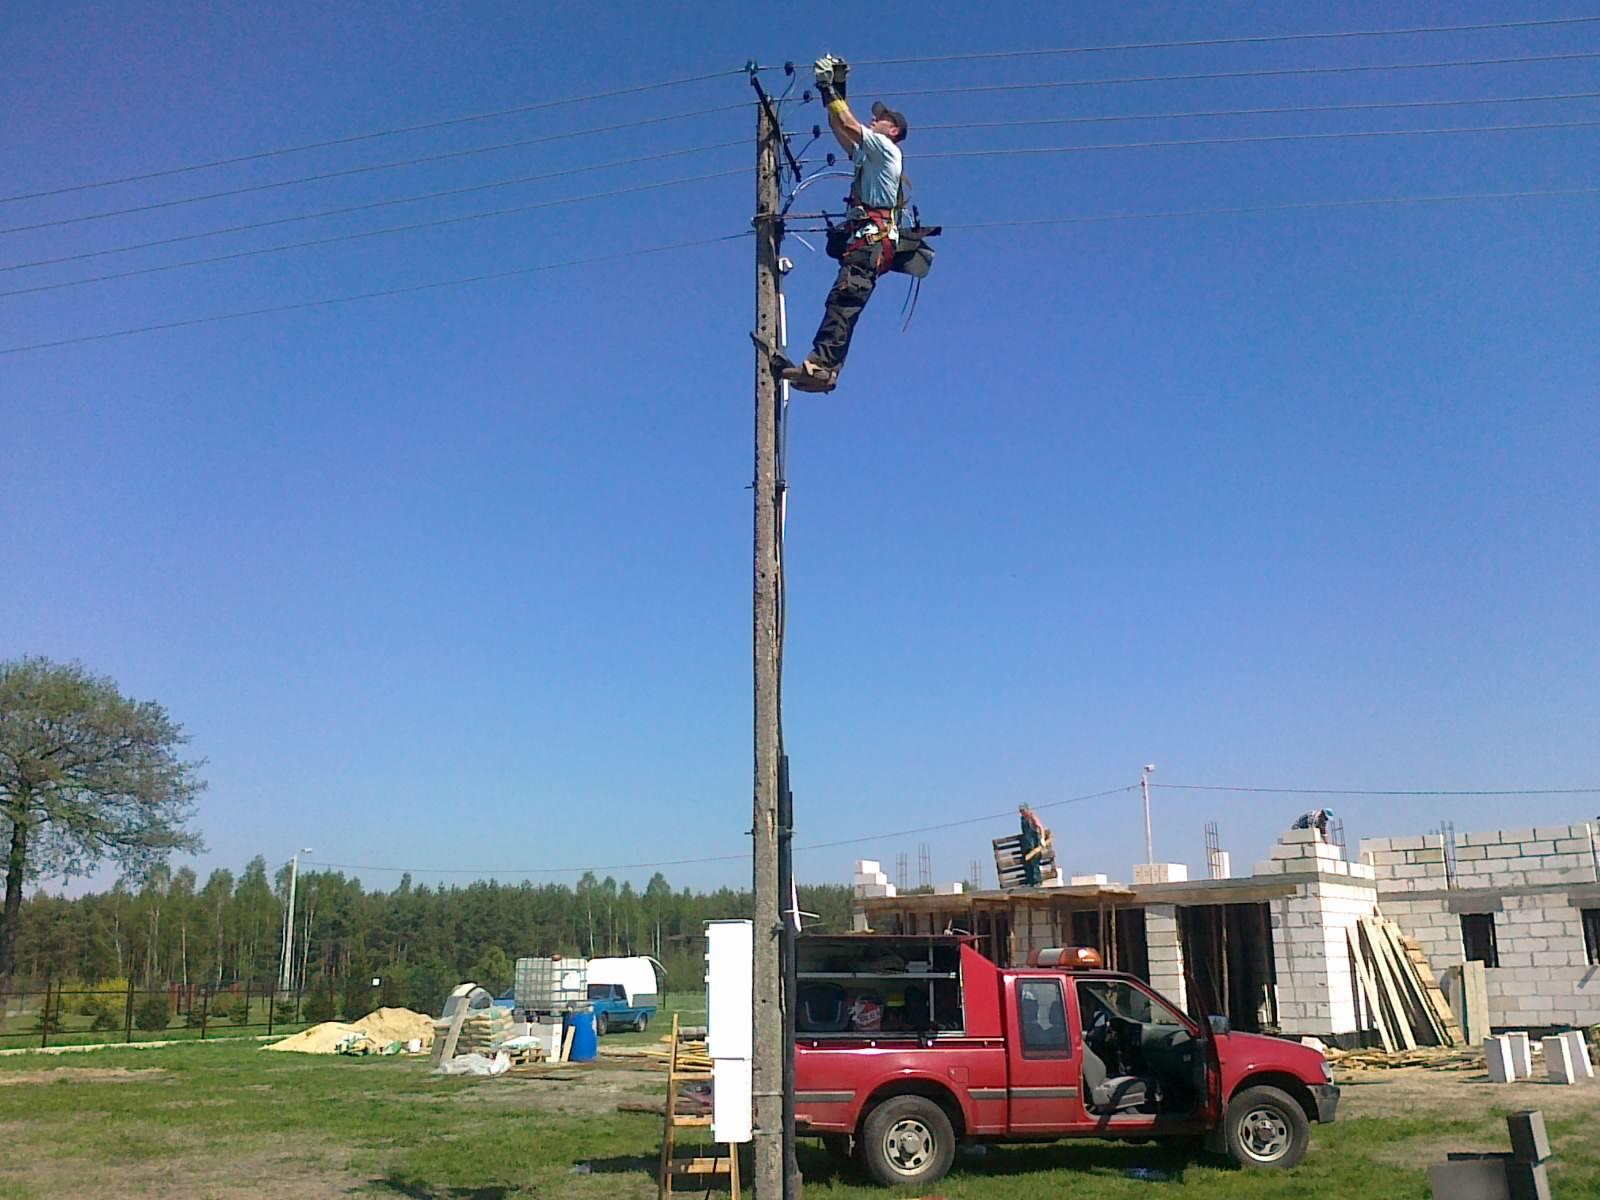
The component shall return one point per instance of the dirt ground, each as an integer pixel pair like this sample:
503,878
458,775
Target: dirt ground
1419,1091
83,1074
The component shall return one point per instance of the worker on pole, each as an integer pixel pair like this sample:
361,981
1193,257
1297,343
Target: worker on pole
871,230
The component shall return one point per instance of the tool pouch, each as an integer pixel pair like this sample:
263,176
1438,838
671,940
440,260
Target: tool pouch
912,254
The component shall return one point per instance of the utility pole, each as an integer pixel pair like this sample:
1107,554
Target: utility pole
1144,783
286,970
767,1051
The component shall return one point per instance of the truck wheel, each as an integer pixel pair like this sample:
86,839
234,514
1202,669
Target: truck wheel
1266,1127
644,1022
601,1025
907,1140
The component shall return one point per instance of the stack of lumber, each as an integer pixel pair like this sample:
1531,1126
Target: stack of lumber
1438,1058
692,1056
484,1029
1397,995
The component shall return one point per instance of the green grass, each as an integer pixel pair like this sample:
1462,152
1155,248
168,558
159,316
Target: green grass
220,1119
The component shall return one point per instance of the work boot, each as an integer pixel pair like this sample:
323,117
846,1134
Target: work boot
811,376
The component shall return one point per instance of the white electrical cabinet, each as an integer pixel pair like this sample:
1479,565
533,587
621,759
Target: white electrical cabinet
730,1014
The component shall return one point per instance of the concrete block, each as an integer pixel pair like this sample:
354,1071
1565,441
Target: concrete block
1521,1054
1547,833
1497,1054
1479,839
1222,867
1426,856
1575,845
1080,880
875,889
1160,873
1553,958
868,866
1580,1053
1406,843
1299,836
1537,1003
1498,851
1469,1179
1269,866
1516,835
1528,1181
1558,1060
1363,871
951,889
1535,848
1470,853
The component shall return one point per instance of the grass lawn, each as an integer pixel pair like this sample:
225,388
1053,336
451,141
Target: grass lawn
229,1120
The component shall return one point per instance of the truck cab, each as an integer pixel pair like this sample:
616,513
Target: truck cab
613,1008
928,1043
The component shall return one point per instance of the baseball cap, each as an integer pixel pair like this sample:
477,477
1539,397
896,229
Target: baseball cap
881,110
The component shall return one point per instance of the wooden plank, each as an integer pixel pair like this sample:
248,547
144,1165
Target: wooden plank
1369,992
1434,994
1475,994
1387,988
699,1166
1423,1018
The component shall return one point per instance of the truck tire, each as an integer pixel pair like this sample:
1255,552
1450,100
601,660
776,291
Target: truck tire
1266,1127
601,1025
907,1140
644,1022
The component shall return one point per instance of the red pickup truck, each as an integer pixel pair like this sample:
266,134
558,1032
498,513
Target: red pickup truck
906,1046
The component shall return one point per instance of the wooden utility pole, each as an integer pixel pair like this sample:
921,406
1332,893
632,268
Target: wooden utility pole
767,1051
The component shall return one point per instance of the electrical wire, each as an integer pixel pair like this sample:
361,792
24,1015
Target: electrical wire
715,858
376,295
1278,791
988,55
366,233
1246,210
1252,112
367,207
379,133
1234,140
374,167
1252,74
460,191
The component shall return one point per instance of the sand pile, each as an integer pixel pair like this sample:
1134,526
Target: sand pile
380,1027
386,1025
319,1039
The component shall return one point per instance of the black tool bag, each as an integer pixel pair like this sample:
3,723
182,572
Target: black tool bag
912,254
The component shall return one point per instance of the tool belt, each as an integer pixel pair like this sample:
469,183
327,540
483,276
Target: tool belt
904,250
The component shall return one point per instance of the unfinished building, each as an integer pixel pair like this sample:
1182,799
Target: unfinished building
1274,950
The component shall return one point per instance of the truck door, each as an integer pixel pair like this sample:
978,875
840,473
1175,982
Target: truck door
1043,1064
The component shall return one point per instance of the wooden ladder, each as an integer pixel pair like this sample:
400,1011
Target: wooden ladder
712,1165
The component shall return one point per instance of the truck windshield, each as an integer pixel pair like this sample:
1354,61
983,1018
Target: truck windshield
1118,999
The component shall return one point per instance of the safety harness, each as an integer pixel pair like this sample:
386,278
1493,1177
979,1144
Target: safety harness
905,248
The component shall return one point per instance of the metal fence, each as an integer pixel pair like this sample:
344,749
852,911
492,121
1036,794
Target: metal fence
56,1015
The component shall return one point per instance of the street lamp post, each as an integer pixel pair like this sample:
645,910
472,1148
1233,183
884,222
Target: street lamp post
286,972
1144,783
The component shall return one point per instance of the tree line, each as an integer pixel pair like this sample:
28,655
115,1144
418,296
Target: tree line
417,941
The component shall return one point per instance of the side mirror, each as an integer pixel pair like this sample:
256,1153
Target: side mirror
1219,1023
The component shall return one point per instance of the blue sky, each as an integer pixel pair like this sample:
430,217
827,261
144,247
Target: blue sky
1298,498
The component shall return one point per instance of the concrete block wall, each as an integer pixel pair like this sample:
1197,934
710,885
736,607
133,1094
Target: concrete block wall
1503,858
1303,852
1166,953
1544,977
1311,952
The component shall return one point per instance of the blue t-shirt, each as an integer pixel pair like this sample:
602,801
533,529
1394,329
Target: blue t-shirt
877,161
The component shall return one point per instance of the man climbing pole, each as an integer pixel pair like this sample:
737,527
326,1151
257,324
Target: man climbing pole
871,230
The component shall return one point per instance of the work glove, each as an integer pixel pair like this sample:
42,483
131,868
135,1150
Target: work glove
824,67
840,70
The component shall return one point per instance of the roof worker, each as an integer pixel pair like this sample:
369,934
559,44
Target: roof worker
871,229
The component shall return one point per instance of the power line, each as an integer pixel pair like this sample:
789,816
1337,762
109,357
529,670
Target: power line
476,187
1248,210
715,858
1206,787
1231,41
379,133
1251,112
970,226
1265,137
334,212
1253,74
377,295
367,233
374,167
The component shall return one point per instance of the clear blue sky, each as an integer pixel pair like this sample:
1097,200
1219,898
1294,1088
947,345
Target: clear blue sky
460,578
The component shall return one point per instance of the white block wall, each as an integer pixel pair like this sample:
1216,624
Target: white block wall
1311,952
1544,978
1166,953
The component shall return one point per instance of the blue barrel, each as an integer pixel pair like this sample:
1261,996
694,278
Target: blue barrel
585,1045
